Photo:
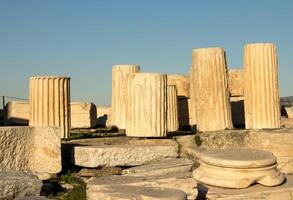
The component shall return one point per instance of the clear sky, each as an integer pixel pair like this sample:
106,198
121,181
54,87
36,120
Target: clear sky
83,39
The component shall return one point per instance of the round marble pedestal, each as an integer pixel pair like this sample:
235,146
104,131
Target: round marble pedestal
238,168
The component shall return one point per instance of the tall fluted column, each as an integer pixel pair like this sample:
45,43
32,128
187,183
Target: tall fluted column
172,109
210,89
50,102
119,74
147,105
261,92
192,101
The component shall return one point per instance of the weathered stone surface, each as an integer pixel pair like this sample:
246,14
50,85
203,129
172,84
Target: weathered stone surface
104,116
181,181
279,142
147,105
236,82
287,123
289,112
170,166
172,109
119,93
210,89
255,192
222,139
125,192
17,113
182,83
238,168
121,155
36,149
261,92
83,115
49,102
14,185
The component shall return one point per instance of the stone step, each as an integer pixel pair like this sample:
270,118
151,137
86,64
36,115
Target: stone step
121,155
181,181
165,167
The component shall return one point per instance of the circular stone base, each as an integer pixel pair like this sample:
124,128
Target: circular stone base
223,168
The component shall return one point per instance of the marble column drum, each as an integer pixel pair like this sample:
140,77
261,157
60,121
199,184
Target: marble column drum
50,102
210,89
119,75
261,92
147,105
172,109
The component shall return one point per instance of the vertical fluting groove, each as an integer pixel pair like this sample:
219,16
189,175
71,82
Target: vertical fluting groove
210,92
261,91
49,103
147,105
172,110
119,89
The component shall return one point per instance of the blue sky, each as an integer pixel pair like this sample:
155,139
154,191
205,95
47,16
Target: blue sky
83,39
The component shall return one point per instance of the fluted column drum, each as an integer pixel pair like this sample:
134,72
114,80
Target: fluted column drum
147,105
172,109
210,89
261,92
50,102
119,74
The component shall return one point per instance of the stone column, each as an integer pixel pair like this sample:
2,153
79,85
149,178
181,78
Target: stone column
50,102
261,92
191,102
147,105
119,74
172,109
210,89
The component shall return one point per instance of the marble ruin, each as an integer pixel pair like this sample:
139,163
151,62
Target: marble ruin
210,89
147,105
172,109
211,134
238,168
261,92
83,115
50,102
119,90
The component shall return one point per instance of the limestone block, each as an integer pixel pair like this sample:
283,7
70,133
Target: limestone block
261,92
15,185
279,142
287,122
236,82
121,155
238,168
255,192
125,192
147,105
17,113
83,115
36,149
181,181
104,116
159,168
50,102
172,109
210,89
182,83
289,111
119,91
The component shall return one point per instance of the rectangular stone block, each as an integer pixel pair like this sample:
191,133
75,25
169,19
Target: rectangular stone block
36,149
83,115
235,82
182,83
289,111
17,113
104,116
